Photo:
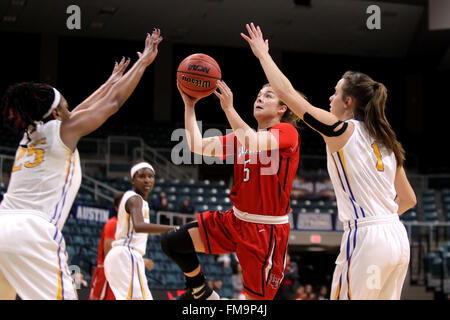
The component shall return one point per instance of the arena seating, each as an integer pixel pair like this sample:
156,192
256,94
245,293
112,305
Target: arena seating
437,270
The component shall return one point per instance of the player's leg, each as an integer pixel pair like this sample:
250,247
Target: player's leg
143,282
392,287
343,281
212,233
125,274
182,245
98,284
35,263
378,262
336,284
262,268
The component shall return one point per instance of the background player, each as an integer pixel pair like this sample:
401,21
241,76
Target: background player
256,227
46,175
365,163
124,264
100,289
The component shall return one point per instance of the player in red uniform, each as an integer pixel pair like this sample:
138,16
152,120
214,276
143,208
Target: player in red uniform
256,227
100,289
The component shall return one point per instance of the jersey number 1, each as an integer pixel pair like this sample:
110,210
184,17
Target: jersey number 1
376,150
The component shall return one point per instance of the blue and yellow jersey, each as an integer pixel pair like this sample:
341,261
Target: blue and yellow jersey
125,234
45,176
363,174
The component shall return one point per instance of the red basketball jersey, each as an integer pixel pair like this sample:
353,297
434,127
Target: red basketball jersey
109,232
263,179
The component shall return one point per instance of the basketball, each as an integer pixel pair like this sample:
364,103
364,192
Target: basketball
197,75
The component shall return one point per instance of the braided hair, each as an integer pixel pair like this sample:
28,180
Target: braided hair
24,103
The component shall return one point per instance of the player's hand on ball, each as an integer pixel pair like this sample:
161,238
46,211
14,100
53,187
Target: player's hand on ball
225,95
188,100
151,47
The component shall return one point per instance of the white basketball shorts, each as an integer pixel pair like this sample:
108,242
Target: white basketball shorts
373,260
33,259
125,272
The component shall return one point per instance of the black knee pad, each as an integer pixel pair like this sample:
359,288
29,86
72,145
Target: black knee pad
178,240
177,245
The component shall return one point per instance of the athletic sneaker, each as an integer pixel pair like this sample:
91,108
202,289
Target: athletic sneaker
206,293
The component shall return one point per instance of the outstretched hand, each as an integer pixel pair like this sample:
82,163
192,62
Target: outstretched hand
151,47
119,69
256,40
225,95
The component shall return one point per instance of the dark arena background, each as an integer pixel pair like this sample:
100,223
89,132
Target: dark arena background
406,47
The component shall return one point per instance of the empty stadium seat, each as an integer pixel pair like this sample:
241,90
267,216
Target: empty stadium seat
429,207
409,215
431,216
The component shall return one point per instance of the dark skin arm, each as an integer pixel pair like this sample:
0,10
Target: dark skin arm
89,117
134,207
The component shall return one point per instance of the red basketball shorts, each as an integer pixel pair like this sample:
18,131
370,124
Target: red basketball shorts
100,289
260,248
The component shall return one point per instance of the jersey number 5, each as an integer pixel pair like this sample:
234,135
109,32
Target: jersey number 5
30,151
376,150
246,171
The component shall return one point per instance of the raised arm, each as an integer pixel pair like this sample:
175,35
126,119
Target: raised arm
318,119
249,138
278,81
211,146
134,207
91,117
117,73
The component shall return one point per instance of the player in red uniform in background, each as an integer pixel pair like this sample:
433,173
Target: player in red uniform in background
100,289
257,226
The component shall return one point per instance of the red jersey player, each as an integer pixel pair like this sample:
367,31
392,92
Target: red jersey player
256,227
100,289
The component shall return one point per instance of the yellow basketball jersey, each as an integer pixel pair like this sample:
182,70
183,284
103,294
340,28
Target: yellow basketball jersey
363,173
125,234
45,177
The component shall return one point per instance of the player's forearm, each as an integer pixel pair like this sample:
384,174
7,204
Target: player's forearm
406,197
403,206
122,89
94,97
282,86
249,138
245,135
152,228
193,134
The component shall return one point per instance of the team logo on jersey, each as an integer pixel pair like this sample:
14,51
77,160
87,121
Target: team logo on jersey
274,281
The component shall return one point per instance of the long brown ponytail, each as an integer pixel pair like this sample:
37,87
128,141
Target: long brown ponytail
370,102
